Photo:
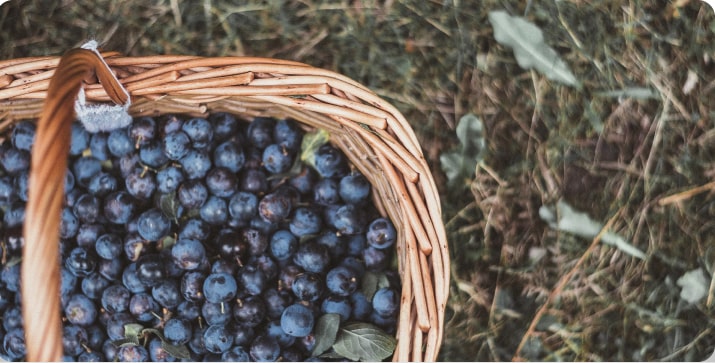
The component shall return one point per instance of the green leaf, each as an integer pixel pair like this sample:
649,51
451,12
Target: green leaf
638,93
177,351
694,285
564,217
169,205
460,163
530,51
369,284
364,342
311,142
326,331
133,330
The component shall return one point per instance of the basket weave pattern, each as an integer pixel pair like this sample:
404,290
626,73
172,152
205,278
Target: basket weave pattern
372,133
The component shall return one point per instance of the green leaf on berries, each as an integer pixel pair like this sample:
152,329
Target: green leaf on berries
176,351
169,205
369,284
133,330
332,355
364,342
326,331
311,142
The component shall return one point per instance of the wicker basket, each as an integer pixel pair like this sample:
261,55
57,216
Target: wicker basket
372,133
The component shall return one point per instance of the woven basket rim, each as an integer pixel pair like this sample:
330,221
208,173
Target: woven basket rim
375,135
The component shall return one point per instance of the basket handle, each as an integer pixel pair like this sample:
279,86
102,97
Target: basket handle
40,271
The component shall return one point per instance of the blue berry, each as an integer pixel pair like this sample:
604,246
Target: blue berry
167,293
335,304
119,207
85,168
297,320
80,262
108,246
349,220
243,205
94,285
224,124
152,155
274,207
119,143
157,352
214,211
177,331
354,188
80,310
221,182
115,299
132,353
192,284
341,281
229,155
192,194
169,179
23,135
307,287
330,161
252,279
188,253
143,307
153,224
283,244
86,208
326,192
249,311
88,234
312,257
260,132
140,184
276,159
176,145
102,184
200,132
15,216
218,339
381,234
236,354
142,131
195,164
195,229
215,313
98,144
253,181
150,270
287,134
386,302
265,349
220,287
306,221
79,139
74,338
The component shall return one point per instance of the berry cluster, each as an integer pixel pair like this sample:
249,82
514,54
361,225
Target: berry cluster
204,239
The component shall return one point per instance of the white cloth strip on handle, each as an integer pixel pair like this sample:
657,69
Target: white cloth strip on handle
103,117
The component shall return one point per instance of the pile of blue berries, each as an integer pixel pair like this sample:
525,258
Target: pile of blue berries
204,239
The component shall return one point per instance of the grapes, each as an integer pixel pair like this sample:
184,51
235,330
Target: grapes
205,234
